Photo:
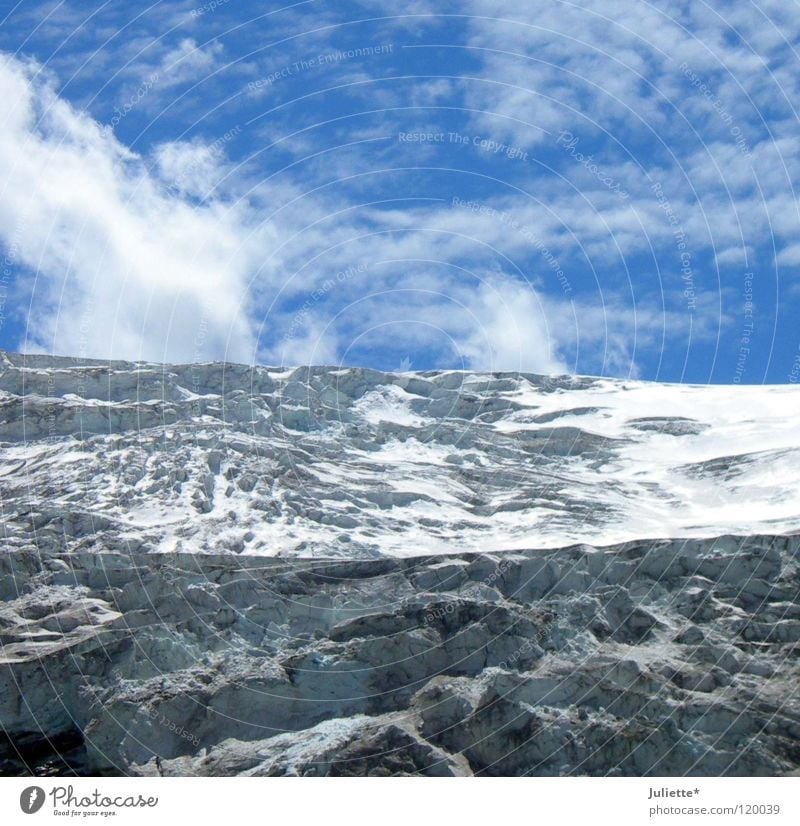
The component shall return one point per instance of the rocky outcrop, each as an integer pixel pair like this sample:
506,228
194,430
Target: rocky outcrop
645,658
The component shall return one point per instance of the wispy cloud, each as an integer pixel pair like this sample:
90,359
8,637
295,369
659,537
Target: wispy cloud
188,62
596,183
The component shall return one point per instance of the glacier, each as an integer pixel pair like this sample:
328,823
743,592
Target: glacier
223,569
358,463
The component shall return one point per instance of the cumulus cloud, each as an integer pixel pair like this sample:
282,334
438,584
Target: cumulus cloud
120,265
511,330
512,327
190,167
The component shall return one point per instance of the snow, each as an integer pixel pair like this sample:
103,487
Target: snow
389,404
351,463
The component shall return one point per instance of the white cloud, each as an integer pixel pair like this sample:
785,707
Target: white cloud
193,168
123,267
510,331
315,344
789,256
736,255
128,244
720,136
189,62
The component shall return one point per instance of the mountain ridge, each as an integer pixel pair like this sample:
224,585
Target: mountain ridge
353,462
217,571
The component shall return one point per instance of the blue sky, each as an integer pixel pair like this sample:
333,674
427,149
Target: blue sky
603,188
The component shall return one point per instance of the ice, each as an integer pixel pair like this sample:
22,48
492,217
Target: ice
353,462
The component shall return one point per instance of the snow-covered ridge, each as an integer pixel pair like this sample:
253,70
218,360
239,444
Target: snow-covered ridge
143,632
354,462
